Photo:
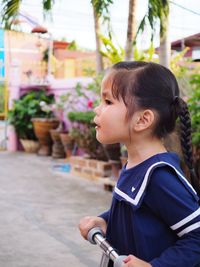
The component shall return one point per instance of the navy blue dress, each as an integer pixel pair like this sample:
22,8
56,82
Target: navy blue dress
155,214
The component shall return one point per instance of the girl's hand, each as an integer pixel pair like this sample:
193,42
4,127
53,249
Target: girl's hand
132,261
90,222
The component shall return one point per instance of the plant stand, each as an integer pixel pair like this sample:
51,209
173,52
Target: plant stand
42,126
57,148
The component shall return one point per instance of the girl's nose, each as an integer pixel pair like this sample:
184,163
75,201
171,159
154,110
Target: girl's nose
97,109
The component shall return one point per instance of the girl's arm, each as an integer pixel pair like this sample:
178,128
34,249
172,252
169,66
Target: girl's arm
105,215
173,203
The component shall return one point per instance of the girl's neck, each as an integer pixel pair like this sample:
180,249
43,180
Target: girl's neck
140,151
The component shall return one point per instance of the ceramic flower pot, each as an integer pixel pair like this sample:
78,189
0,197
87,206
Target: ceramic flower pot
42,126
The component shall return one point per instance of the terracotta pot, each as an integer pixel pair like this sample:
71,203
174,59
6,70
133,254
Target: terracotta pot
42,126
57,148
68,143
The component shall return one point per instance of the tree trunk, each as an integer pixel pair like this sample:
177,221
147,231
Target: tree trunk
131,30
165,47
99,60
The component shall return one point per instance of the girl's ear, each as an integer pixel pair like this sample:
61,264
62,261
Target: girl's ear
144,120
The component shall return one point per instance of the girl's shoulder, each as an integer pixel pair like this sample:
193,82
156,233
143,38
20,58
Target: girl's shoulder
160,171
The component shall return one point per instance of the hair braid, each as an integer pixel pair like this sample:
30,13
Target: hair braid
186,140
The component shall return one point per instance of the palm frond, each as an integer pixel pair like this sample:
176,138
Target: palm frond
158,10
10,9
47,7
101,7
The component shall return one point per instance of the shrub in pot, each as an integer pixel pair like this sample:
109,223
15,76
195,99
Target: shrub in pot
20,116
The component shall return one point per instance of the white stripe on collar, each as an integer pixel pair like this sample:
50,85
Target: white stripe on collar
136,200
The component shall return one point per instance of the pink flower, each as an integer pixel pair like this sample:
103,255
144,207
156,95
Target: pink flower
90,104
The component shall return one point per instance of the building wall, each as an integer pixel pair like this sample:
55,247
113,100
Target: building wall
73,63
26,51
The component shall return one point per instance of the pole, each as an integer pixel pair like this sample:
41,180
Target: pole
50,50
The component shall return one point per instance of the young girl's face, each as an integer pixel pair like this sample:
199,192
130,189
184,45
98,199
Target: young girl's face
110,119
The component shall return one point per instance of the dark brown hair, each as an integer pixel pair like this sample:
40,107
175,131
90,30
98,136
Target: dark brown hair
150,85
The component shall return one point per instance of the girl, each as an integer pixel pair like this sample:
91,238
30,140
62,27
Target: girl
155,214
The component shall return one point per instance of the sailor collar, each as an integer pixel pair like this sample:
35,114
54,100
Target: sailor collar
132,184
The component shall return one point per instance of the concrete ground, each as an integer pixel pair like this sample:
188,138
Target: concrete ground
40,208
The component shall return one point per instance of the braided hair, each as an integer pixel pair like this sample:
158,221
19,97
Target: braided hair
149,85
185,138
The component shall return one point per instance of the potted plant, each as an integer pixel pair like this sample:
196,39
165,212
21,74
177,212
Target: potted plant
62,142
42,125
59,108
20,116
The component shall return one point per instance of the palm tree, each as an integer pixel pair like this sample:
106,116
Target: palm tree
131,30
165,45
99,59
159,10
100,9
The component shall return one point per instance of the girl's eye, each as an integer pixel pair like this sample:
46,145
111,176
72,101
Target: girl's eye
108,102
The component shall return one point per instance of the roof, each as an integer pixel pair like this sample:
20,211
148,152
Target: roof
60,44
190,41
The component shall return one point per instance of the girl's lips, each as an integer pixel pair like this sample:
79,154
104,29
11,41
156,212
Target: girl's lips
97,127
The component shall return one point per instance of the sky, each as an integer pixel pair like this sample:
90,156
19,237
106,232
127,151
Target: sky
73,20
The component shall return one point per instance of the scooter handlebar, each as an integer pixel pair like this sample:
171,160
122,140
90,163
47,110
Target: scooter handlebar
95,236
92,233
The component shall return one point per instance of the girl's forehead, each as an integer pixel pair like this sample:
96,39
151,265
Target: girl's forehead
107,82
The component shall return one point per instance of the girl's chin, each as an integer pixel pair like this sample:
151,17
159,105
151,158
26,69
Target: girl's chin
104,141
101,140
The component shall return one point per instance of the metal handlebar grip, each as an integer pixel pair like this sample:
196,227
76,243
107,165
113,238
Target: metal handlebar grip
95,236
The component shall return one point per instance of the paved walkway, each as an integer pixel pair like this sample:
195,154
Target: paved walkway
40,209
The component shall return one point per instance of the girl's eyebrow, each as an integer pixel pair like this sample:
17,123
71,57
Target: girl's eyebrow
105,94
